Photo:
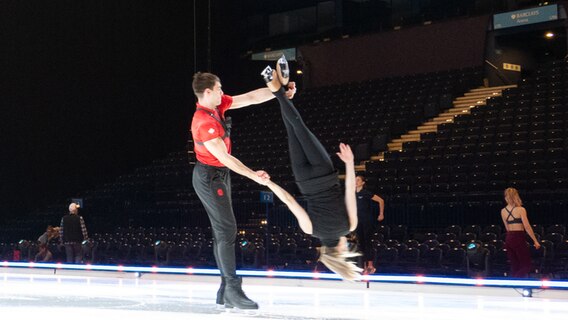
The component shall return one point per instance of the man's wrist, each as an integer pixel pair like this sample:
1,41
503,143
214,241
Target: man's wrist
253,175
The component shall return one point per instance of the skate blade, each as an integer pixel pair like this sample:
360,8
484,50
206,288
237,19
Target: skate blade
267,74
248,312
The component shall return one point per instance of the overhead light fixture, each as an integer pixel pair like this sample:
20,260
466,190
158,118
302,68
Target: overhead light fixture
299,71
549,35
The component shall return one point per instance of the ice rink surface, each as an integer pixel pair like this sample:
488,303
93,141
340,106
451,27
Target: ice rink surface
105,297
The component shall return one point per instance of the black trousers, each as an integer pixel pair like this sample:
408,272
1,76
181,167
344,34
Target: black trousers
213,187
308,157
364,237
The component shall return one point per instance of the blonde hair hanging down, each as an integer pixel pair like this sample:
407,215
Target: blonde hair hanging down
338,263
512,197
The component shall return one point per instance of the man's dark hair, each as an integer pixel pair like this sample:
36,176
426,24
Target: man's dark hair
202,81
362,176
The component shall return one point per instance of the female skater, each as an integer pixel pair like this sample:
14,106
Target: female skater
517,224
331,215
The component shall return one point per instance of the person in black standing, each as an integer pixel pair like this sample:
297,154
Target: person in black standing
367,220
72,233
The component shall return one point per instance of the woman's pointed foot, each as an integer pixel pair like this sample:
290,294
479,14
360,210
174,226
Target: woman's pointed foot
271,79
279,77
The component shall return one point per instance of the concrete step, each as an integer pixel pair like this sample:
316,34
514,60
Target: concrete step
442,118
460,109
410,136
420,131
431,124
426,126
500,88
451,113
360,167
469,105
400,141
394,146
472,102
464,107
468,96
478,94
438,122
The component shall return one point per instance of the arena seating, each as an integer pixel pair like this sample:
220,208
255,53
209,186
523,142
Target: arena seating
397,249
454,176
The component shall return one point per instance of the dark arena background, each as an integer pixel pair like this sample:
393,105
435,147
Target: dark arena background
445,104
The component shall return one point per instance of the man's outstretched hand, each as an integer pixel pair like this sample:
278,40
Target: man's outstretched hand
291,90
262,177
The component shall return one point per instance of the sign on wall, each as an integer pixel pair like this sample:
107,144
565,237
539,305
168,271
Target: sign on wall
274,55
524,17
511,67
266,197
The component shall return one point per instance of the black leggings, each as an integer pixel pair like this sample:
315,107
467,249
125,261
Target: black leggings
308,156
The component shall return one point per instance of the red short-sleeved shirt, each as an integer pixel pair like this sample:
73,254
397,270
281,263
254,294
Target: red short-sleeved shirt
204,128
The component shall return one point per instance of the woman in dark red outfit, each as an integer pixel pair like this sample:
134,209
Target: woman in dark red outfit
517,224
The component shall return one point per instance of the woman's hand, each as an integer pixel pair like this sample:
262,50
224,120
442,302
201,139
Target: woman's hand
345,153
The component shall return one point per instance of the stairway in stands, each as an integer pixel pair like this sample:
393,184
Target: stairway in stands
461,105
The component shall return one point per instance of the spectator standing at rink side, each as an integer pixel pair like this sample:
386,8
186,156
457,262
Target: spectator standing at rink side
367,220
517,224
72,233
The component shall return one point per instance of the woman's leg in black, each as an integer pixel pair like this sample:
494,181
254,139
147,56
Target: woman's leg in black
306,151
301,167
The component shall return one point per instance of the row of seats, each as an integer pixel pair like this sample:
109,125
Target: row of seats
396,249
